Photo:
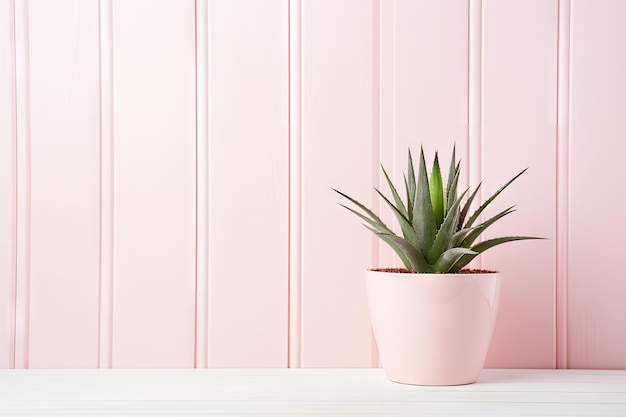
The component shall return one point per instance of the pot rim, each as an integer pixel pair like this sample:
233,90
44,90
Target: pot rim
432,274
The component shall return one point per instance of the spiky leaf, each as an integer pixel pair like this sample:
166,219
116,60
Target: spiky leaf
407,228
411,186
396,196
449,257
409,200
458,236
487,244
490,199
380,227
451,174
392,245
444,235
436,192
471,238
423,216
453,189
466,207
432,219
412,253
367,211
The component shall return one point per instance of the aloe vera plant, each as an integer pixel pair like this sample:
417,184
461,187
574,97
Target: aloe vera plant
437,235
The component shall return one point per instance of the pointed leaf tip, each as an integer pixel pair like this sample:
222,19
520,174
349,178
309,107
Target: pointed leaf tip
437,193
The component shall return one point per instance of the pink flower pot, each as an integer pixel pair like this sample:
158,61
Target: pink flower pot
433,329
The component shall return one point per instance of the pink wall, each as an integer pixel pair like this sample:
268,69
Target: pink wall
7,186
165,173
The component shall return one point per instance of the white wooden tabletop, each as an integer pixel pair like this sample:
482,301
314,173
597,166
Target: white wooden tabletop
306,392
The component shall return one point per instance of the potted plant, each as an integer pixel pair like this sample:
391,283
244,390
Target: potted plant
432,319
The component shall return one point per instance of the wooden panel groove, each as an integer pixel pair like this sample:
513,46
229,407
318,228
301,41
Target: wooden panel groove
562,215
107,173
22,286
202,185
8,178
295,184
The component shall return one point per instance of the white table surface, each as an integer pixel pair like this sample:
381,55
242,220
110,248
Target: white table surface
306,392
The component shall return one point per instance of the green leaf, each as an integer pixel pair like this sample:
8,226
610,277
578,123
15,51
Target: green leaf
436,192
380,227
367,211
449,257
396,196
451,174
407,228
444,235
462,262
453,190
469,240
411,187
412,252
466,207
423,216
393,246
486,203
458,237
409,200
487,244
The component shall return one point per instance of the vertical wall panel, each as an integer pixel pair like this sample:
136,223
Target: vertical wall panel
295,183
431,53
22,185
154,185
106,184
519,131
7,184
202,184
248,182
64,164
562,179
428,83
337,142
597,330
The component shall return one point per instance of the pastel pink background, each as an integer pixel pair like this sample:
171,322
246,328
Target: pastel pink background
166,170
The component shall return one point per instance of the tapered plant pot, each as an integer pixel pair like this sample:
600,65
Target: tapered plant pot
433,329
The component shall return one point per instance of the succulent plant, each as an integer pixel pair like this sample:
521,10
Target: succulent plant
436,237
